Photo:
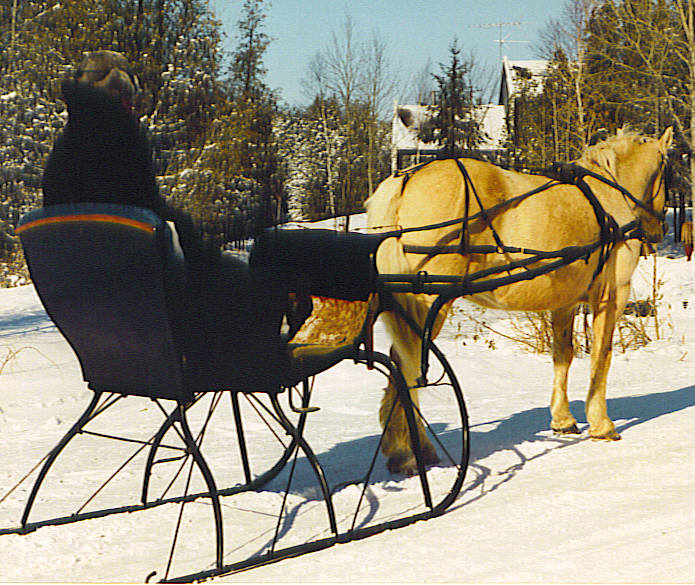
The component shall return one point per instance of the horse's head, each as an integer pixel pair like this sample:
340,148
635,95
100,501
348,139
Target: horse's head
638,164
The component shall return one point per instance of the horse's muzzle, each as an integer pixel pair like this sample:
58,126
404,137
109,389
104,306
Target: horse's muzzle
658,234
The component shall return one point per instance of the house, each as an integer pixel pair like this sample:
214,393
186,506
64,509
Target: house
518,75
408,120
496,119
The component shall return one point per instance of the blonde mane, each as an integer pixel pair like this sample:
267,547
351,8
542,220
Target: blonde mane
604,154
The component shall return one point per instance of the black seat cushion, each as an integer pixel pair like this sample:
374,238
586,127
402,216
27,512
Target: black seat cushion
317,262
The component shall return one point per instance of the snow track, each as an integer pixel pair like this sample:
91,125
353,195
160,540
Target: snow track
534,508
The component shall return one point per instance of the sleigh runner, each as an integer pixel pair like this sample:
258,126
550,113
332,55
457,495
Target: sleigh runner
424,426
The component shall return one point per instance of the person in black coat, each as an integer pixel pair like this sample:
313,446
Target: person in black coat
230,324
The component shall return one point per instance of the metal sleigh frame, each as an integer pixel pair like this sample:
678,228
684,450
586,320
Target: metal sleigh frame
178,448
300,269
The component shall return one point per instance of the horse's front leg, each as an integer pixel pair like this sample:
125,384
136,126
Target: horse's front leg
563,351
607,307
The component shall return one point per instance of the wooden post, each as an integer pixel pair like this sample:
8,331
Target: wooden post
654,290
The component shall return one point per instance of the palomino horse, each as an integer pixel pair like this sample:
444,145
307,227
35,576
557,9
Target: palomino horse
559,215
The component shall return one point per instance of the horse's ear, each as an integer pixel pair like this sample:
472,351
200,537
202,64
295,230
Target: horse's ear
666,139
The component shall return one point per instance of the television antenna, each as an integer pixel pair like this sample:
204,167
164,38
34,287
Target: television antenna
500,25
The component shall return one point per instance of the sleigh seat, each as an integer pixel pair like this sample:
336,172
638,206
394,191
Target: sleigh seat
112,277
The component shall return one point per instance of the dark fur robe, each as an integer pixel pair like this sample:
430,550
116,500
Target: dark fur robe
103,156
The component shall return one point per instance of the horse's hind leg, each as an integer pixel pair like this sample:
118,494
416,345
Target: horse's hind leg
563,351
406,354
396,443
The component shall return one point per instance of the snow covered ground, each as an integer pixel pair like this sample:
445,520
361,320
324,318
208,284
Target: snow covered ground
534,507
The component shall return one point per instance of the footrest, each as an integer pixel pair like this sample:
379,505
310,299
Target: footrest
309,359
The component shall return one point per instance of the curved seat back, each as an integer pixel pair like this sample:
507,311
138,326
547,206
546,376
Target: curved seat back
106,275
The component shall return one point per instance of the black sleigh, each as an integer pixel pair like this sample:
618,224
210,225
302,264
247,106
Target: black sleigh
109,276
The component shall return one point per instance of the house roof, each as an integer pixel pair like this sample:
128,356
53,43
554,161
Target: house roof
409,119
512,74
407,122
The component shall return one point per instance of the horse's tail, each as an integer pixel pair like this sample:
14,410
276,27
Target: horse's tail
382,215
382,206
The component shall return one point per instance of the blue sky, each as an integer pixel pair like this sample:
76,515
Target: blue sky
413,30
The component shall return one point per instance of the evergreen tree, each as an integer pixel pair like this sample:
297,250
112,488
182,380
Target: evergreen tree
255,104
173,46
247,70
454,125
228,179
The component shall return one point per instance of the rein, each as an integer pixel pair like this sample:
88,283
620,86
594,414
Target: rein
572,173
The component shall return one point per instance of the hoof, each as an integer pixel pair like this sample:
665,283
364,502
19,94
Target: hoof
405,463
614,436
429,454
402,464
570,430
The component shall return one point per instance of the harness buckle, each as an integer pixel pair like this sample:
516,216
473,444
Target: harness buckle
421,279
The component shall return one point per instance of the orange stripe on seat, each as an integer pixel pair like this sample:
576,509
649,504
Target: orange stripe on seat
95,217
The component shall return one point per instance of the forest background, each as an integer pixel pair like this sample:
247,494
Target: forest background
229,152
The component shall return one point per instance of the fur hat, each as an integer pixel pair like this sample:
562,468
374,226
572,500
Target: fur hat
109,71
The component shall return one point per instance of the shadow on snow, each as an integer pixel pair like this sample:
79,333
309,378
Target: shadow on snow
528,426
341,461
